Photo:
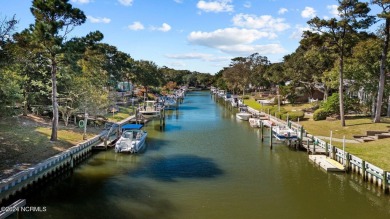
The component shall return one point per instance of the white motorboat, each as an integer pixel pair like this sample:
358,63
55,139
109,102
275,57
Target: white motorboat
243,114
169,102
268,123
149,109
282,132
132,139
254,122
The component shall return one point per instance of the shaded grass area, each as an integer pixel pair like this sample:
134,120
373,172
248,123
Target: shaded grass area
123,113
24,143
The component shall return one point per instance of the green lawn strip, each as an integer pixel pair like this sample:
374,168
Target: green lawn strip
375,152
357,126
256,105
123,113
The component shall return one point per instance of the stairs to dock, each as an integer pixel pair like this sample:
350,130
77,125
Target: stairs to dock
372,136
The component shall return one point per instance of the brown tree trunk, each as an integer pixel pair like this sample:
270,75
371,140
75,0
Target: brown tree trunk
341,89
388,107
54,127
382,73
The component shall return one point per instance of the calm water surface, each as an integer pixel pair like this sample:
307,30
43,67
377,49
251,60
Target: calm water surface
206,164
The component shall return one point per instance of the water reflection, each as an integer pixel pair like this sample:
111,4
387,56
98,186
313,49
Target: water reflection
174,167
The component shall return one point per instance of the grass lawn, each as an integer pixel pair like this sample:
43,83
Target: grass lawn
288,107
27,142
357,126
375,152
123,113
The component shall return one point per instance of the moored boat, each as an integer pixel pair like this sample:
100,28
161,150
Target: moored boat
284,133
243,114
132,139
149,110
254,122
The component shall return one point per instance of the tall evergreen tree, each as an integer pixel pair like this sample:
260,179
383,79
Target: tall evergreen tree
53,21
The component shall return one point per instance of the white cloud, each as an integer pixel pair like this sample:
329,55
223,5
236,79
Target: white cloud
136,26
236,41
201,56
215,6
164,27
99,19
247,4
297,34
227,36
282,10
250,49
265,22
82,1
333,10
178,64
308,12
126,2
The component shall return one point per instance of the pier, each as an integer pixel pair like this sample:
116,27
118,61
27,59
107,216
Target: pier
336,159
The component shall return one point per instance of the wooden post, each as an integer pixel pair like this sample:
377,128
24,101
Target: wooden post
262,131
314,146
308,146
164,117
333,152
347,162
326,149
385,183
288,139
160,118
288,122
270,137
364,170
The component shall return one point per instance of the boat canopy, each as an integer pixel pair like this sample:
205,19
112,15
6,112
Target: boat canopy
132,127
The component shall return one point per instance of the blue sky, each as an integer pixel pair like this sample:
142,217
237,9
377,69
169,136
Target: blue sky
197,35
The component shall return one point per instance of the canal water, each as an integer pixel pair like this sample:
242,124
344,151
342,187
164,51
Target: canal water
206,164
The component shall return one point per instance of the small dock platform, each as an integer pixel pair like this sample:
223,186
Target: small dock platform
311,147
327,163
110,143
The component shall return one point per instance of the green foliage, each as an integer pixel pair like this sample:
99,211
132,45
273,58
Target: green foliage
331,105
320,114
293,115
246,97
10,91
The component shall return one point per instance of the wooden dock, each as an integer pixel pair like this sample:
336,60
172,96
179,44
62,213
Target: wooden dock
327,163
312,147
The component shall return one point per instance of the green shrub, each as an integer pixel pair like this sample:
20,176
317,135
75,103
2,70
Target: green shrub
320,114
246,97
275,109
293,115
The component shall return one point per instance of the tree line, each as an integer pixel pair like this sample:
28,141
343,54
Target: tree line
41,65
337,55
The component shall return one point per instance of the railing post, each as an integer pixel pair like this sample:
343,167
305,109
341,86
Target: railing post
385,182
270,137
347,162
326,149
364,170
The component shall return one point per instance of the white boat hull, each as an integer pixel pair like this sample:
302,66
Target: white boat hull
126,145
254,122
243,116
